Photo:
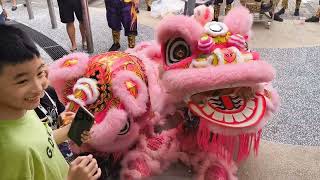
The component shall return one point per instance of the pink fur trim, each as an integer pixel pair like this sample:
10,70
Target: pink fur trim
210,160
58,72
135,106
147,49
203,14
150,54
179,26
273,103
239,20
203,79
152,165
155,89
58,75
105,132
275,99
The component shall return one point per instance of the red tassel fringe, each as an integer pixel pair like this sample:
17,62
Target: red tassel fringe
227,146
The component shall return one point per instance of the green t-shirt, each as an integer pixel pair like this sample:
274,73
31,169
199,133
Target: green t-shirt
28,151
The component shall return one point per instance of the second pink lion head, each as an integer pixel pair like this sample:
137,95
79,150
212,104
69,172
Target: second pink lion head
208,68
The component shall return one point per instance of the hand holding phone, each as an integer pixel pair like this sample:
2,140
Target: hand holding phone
81,126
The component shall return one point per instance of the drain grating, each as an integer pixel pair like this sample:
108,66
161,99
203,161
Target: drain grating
54,50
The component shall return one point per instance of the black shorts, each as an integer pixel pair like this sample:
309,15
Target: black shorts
67,9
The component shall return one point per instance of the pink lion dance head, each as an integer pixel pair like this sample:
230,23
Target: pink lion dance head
114,87
209,68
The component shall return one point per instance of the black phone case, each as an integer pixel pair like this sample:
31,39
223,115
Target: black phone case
83,121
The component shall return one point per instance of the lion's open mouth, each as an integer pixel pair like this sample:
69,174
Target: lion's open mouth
232,107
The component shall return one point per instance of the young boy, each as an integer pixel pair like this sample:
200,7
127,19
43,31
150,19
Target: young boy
27,146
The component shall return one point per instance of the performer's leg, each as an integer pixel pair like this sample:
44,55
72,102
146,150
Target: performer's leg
114,22
148,2
296,11
129,22
116,40
276,16
216,6
131,41
228,6
72,35
77,7
284,6
266,6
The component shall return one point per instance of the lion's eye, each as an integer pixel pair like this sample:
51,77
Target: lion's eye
177,50
125,129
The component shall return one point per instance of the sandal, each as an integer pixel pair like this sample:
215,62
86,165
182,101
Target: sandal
73,50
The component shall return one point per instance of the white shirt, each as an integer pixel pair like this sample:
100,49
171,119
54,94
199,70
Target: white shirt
1,9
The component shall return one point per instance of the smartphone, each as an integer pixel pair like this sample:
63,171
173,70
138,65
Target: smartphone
83,121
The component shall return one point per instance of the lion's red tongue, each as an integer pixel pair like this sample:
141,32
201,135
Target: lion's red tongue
226,100
229,110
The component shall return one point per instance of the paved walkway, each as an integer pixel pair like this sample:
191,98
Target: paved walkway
291,145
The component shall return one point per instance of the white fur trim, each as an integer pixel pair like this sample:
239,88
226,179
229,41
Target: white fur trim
78,101
85,89
92,93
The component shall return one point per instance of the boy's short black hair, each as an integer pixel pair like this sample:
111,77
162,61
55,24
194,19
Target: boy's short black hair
16,46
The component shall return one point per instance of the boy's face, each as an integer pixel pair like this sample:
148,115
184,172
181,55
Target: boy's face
23,85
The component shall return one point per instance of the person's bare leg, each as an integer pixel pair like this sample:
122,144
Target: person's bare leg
72,35
83,35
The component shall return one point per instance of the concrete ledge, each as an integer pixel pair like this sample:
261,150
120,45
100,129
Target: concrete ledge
274,162
280,162
287,34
